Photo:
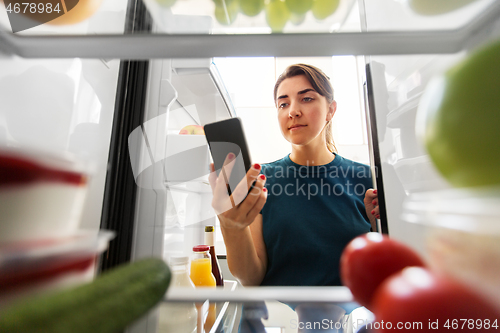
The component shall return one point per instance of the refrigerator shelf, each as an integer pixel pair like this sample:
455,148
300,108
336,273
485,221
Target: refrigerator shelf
142,46
256,294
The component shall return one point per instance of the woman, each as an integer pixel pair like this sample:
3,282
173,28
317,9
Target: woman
304,208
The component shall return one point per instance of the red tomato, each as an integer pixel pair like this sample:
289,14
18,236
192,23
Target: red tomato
418,300
369,259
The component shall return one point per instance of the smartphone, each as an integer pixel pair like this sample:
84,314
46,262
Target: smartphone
224,137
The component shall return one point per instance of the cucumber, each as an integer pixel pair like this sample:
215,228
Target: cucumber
107,305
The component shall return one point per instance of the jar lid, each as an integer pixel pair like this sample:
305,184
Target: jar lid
209,228
201,248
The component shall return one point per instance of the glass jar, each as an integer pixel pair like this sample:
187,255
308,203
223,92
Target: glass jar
201,267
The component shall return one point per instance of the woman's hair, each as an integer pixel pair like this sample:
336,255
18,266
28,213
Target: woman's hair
320,82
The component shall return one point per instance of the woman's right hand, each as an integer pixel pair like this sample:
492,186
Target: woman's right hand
235,211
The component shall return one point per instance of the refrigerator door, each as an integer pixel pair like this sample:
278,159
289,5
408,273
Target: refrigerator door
174,167
395,84
171,168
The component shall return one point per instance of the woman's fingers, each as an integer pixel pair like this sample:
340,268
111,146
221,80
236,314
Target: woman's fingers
371,194
258,205
212,177
246,201
221,201
240,192
224,174
255,194
371,203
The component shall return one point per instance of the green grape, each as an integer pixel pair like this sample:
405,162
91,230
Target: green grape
299,6
251,7
166,3
297,19
321,9
277,14
433,7
227,15
220,3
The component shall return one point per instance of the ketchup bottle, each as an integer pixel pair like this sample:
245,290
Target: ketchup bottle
210,241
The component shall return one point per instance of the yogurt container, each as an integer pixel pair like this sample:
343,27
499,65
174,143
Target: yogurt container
462,235
41,194
33,267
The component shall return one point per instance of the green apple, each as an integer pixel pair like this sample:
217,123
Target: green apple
321,9
166,3
436,7
299,6
251,7
459,120
226,15
277,14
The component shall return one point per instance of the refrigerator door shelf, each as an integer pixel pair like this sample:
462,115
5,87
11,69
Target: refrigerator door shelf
201,93
187,158
199,185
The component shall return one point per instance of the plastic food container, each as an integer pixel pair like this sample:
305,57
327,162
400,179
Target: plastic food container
28,268
462,232
41,194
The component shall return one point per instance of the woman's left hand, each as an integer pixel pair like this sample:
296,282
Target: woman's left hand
372,209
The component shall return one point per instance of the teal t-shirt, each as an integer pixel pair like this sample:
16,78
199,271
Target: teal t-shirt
310,215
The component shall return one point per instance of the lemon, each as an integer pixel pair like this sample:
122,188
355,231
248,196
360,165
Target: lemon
459,120
251,7
299,6
321,9
277,14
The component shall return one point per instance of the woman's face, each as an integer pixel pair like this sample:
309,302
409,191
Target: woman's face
302,112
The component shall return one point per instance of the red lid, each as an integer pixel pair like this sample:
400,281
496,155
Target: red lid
201,248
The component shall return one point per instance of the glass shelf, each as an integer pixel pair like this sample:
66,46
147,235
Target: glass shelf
194,31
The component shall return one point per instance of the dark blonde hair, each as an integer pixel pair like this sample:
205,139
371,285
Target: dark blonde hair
321,84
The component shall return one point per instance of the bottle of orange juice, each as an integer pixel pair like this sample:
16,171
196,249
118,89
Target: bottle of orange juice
201,267
201,275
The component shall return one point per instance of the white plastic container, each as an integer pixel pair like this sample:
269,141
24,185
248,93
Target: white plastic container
462,230
41,194
178,317
30,268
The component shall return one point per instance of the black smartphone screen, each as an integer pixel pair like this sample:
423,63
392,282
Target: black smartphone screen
226,137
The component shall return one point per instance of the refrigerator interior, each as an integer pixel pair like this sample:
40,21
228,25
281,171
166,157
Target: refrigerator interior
65,103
